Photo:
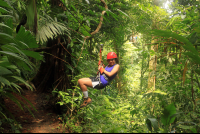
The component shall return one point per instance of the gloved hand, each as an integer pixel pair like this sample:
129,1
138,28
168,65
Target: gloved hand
101,70
100,63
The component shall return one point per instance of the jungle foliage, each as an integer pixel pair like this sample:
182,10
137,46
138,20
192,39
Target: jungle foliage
61,35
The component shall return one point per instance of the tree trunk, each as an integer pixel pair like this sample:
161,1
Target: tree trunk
142,69
152,67
52,71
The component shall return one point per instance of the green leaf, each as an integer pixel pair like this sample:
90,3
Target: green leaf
16,56
23,81
186,127
113,15
8,29
3,115
55,29
3,25
188,45
193,130
168,111
25,39
133,112
4,71
33,54
73,7
4,4
176,114
194,57
148,123
152,122
16,86
105,112
197,71
7,64
71,44
6,38
4,81
3,10
6,16
14,99
13,48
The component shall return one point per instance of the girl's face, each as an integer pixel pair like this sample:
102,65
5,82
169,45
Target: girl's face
111,62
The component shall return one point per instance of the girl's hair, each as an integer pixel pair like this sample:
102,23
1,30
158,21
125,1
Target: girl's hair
116,61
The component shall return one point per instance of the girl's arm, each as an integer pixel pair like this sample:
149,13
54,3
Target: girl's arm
114,70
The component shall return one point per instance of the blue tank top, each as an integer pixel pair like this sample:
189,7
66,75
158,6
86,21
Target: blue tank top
103,80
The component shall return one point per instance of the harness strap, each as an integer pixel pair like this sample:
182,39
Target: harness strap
105,77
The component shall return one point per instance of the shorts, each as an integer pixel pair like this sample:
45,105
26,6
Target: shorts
96,84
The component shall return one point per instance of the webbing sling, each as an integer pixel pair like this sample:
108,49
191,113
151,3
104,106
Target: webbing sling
101,62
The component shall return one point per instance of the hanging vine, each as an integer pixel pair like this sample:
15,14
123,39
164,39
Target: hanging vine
97,29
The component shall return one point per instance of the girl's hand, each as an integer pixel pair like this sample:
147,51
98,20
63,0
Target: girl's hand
101,70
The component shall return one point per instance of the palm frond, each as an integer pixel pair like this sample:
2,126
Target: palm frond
4,81
23,81
25,39
49,28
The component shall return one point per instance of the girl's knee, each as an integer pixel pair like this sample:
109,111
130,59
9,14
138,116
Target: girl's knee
80,81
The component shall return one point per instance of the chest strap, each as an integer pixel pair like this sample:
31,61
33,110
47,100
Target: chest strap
105,77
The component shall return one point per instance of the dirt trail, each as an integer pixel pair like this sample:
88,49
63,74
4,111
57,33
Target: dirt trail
45,121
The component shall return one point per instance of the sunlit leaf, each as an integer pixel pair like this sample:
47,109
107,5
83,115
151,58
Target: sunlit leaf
133,112
105,112
122,12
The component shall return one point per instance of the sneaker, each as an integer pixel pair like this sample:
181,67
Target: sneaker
86,102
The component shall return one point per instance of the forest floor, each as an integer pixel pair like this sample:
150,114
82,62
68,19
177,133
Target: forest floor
45,121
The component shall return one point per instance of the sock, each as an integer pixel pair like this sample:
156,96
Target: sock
85,93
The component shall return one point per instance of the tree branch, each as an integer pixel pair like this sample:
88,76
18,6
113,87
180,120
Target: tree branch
45,48
101,20
97,29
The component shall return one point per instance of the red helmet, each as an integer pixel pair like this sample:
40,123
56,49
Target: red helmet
111,55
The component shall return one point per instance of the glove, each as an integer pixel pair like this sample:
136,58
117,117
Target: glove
101,70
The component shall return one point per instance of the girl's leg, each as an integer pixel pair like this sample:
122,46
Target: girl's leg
84,83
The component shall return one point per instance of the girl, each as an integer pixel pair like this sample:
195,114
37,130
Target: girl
106,75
